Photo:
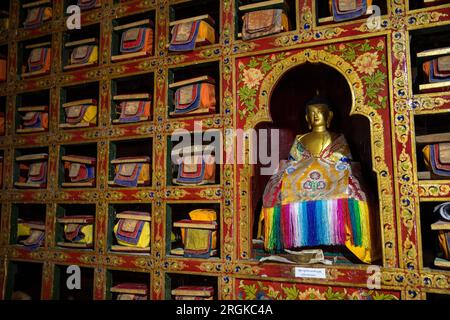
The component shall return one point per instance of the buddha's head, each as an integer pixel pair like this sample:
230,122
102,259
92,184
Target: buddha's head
318,113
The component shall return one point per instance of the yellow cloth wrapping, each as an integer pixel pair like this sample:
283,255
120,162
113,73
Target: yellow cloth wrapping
427,157
144,240
198,239
203,215
206,33
91,115
87,230
144,175
93,57
23,230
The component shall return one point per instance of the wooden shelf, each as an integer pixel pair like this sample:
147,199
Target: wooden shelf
80,65
145,22
127,97
128,56
75,245
441,263
433,52
31,130
119,248
77,184
434,86
433,138
35,4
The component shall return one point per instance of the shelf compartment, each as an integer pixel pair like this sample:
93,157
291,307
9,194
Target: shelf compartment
184,14
34,14
325,11
28,225
133,37
24,280
130,228
4,16
432,141
81,50
31,167
75,226
186,221
125,285
79,106
193,287
194,75
430,50
72,165
61,290
32,112
132,99
35,57
193,165
256,19
130,163
443,229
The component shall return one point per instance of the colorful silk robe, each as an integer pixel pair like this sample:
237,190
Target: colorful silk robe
315,201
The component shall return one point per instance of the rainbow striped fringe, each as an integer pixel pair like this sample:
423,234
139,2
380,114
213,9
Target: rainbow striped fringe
316,223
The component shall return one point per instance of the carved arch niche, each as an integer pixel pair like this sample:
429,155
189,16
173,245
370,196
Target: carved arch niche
271,94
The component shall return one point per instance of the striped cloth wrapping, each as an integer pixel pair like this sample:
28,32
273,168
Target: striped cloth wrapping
316,223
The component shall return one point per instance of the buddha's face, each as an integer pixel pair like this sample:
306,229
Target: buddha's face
319,115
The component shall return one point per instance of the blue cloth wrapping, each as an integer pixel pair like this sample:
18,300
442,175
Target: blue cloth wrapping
193,180
432,77
131,182
349,15
130,240
194,105
190,45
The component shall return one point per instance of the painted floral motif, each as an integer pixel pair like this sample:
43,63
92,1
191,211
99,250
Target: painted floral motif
367,60
250,77
367,63
261,291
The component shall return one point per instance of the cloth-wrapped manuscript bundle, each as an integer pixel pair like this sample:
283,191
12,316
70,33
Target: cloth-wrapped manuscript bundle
78,231
437,158
196,166
36,15
35,230
39,62
131,171
32,171
193,293
198,234
80,114
33,119
264,18
132,232
79,170
348,9
130,291
187,34
194,96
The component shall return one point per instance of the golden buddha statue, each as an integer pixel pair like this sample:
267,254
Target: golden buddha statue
314,199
